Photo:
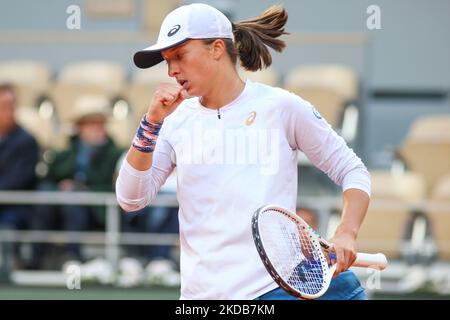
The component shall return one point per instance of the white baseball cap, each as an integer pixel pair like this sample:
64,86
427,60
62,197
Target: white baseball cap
194,21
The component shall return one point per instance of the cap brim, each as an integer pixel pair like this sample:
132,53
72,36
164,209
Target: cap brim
151,56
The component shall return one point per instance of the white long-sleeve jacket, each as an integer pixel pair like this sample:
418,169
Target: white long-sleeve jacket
229,163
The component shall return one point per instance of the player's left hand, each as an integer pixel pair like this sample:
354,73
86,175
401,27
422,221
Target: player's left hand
345,249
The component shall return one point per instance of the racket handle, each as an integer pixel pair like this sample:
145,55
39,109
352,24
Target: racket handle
374,261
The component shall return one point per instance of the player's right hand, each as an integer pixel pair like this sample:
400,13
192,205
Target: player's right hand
166,99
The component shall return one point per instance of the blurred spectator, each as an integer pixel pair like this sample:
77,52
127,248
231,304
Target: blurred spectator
88,164
19,154
309,216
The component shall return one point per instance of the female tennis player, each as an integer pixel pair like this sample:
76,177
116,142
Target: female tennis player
235,146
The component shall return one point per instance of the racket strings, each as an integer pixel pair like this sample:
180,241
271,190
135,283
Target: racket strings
293,252
308,276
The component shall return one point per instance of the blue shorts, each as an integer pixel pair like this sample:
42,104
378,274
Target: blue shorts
346,286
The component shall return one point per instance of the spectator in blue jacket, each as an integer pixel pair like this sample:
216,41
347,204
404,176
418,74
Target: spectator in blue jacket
19,154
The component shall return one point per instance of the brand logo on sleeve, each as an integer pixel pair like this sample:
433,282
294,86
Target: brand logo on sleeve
174,30
316,113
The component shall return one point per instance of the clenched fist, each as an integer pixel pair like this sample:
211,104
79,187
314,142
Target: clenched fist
165,100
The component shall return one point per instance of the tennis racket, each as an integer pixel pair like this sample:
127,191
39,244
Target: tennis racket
297,258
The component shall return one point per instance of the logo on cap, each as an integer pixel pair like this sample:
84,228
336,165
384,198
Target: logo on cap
174,30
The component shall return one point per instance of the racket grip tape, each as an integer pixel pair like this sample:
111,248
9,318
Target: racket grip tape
374,261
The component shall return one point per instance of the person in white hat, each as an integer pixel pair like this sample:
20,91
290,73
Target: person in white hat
87,164
89,117
234,144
